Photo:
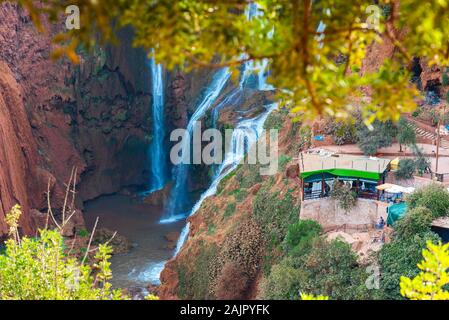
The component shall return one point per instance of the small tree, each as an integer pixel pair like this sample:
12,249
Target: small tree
432,281
415,221
378,135
300,236
406,169
406,134
433,196
40,269
346,198
399,258
422,163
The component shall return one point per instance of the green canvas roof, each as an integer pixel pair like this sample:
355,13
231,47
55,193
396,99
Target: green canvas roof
341,165
344,173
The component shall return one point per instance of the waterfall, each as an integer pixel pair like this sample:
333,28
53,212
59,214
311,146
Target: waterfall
239,146
157,153
241,142
178,201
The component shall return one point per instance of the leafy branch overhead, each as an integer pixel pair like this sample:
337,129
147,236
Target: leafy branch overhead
316,70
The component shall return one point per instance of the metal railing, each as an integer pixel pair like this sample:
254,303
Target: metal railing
318,195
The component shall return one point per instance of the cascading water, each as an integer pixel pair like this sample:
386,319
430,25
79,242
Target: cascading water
178,201
244,136
157,153
243,130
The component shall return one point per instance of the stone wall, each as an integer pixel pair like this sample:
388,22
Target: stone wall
331,217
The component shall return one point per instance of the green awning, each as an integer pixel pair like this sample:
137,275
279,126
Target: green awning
319,177
345,173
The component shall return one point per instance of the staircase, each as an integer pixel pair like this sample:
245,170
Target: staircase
431,135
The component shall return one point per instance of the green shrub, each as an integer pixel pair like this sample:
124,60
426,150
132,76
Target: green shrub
275,121
433,197
194,280
274,214
211,229
415,221
121,116
225,180
300,236
282,282
39,269
399,258
283,161
445,79
347,199
407,168
330,268
248,175
239,194
229,210
83,233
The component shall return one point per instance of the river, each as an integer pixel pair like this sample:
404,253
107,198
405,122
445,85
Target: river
139,222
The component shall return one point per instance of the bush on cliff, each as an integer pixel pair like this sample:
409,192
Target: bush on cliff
300,236
433,197
329,268
241,252
274,213
195,277
40,269
399,258
415,221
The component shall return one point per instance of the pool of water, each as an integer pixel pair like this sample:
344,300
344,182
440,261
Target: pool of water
139,222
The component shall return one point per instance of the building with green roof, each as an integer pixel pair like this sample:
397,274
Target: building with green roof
320,169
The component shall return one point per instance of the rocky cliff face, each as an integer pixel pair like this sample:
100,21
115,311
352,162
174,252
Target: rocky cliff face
27,79
56,116
94,117
18,160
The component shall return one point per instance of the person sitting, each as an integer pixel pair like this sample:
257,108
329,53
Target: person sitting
380,225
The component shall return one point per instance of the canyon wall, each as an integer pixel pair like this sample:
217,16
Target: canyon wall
55,116
95,117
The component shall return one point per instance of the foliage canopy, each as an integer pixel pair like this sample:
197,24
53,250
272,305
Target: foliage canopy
314,49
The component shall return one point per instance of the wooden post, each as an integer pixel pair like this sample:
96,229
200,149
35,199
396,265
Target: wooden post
322,185
438,139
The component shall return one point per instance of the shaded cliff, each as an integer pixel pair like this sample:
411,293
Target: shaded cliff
56,116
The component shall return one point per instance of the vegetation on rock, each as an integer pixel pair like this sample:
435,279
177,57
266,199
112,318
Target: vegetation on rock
346,198
433,197
42,269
